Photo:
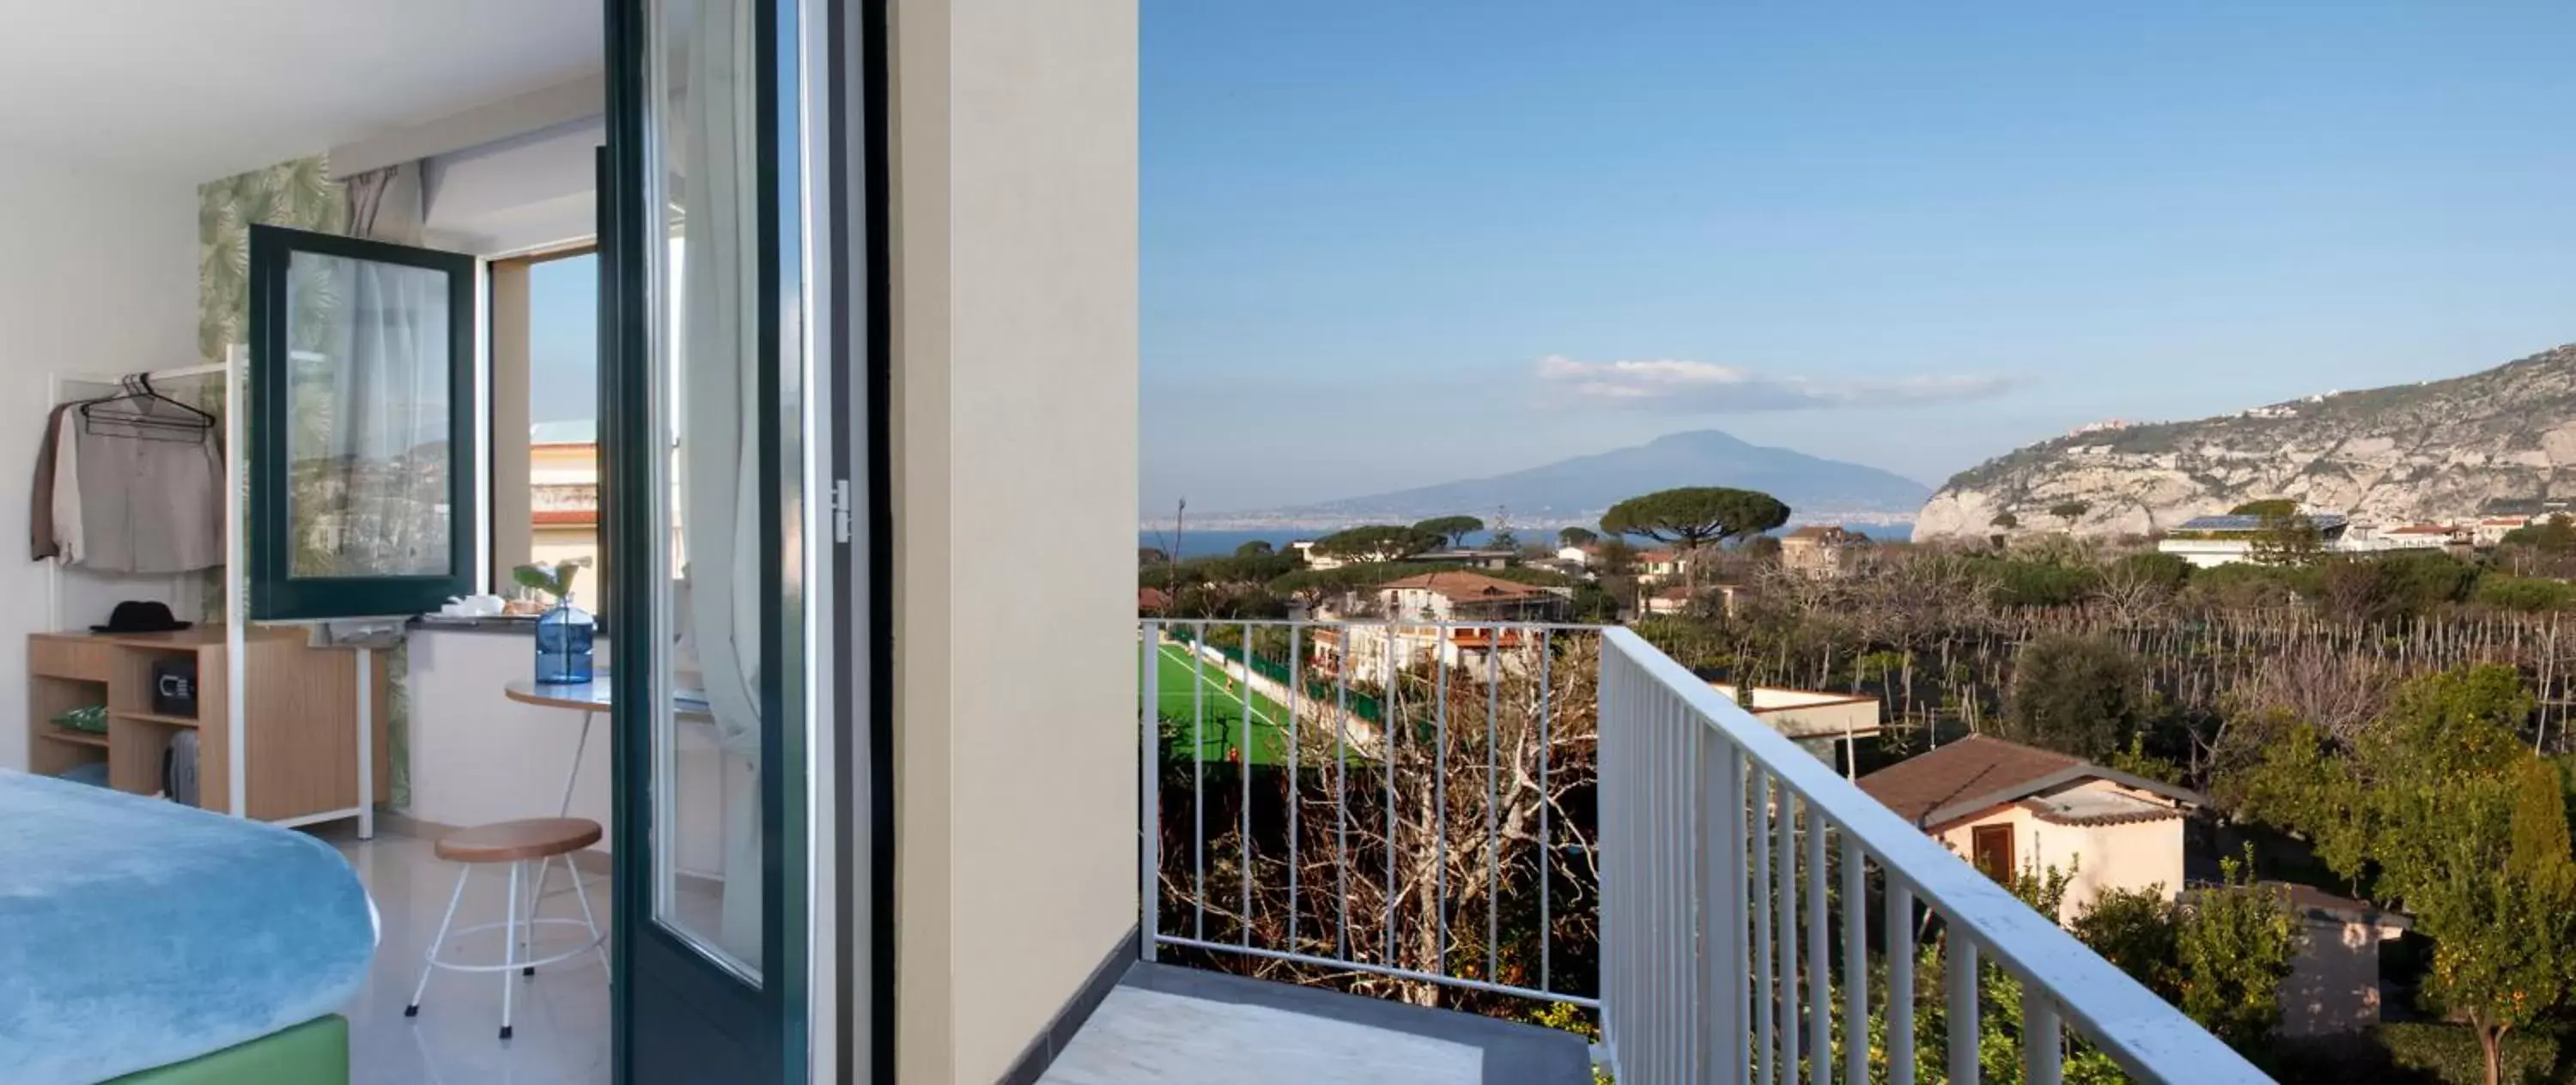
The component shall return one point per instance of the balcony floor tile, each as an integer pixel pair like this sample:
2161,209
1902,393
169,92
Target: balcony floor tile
1165,1024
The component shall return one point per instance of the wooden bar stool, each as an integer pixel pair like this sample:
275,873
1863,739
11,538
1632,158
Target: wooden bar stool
518,843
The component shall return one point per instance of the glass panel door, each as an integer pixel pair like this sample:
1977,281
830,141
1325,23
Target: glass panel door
706,361
704,514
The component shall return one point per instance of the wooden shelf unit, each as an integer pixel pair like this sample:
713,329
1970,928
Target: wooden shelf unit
301,702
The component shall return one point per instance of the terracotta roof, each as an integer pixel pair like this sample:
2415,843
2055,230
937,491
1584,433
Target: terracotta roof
1675,592
1463,586
1152,601
2312,902
2096,808
1977,772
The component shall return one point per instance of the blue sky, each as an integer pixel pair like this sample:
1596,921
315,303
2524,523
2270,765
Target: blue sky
563,340
1395,243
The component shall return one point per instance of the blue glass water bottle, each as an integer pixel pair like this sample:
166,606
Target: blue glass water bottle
564,636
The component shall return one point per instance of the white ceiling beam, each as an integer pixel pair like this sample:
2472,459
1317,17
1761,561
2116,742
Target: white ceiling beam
562,103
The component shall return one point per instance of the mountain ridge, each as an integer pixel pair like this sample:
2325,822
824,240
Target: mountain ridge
1576,490
2496,438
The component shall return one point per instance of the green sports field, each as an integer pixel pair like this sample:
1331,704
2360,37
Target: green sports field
1216,702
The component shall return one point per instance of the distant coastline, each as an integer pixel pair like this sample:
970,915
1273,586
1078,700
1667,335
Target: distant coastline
1213,541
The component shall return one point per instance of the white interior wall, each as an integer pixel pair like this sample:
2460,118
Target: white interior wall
100,275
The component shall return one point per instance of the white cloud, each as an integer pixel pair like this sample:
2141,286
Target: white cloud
1682,386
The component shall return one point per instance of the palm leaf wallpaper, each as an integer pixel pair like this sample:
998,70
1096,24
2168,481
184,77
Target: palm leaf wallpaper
300,194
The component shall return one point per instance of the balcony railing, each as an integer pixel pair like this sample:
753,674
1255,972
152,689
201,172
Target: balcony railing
1573,820
1721,836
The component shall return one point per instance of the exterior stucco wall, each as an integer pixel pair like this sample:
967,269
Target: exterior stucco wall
2132,856
1014,401
2333,984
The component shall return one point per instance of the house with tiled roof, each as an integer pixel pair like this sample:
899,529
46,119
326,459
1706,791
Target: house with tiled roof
1442,616
1464,595
2007,807
1817,549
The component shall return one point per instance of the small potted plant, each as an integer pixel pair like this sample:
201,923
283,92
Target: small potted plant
564,632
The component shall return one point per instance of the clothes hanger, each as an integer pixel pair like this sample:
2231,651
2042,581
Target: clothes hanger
142,421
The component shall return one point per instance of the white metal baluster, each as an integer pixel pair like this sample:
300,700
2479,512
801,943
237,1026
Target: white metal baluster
1546,840
1900,980
1618,858
1440,793
1739,980
1243,775
1659,879
1296,785
1391,725
1855,963
1342,795
1961,975
1677,883
1765,993
1493,800
2043,1059
1787,869
1722,802
1647,877
1820,956
1149,784
1706,796
1198,781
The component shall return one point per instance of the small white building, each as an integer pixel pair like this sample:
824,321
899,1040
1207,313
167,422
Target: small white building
1448,604
2211,541
2333,985
2007,808
1817,721
2369,539
1660,565
1677,598
2491,530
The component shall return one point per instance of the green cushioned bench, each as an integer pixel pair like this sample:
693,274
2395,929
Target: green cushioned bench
313,1053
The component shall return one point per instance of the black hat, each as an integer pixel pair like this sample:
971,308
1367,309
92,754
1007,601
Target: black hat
140,616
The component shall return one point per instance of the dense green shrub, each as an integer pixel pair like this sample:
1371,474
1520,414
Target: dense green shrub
2425,579
2020,583
2076,695
2528,594
2450,1052
2245,584
2162,570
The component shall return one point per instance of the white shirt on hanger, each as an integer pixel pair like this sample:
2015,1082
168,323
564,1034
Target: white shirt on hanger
67,502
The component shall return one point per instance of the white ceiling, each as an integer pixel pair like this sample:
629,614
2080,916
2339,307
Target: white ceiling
193,90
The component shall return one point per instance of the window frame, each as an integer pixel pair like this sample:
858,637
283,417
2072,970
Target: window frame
276,594
520,265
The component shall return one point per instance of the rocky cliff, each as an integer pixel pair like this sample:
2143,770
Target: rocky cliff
2498,440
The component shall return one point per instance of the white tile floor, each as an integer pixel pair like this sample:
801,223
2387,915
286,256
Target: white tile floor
560,1033
1141,1037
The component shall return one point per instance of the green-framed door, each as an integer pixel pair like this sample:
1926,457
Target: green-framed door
706,434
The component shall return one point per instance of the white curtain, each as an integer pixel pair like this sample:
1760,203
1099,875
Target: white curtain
384,361
719,622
